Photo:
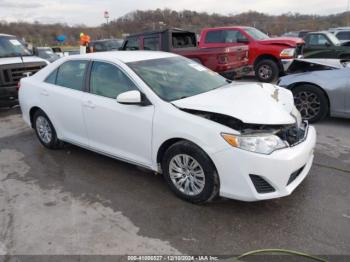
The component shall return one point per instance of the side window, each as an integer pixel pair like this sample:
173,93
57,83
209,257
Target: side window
71,74
51,79
318,40
132,44
109,81
343,35
215,36
232,36
151,43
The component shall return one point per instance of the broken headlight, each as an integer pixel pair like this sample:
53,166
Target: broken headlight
259,143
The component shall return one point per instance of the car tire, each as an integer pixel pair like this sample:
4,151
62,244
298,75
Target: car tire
311,102
267,71
199,173
45,131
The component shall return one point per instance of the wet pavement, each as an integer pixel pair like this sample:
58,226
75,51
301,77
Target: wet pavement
73,201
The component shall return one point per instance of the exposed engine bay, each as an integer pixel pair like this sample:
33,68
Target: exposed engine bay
309,65
293,134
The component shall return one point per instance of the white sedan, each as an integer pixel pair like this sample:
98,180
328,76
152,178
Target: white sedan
161,111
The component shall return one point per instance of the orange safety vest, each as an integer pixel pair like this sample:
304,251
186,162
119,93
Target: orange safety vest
84,40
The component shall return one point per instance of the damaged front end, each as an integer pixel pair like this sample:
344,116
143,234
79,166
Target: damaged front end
277,136
310,65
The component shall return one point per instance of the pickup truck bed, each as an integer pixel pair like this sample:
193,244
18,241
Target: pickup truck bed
228,61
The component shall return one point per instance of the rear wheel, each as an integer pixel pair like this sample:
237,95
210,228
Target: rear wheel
190,173
45,131
311,102
267,71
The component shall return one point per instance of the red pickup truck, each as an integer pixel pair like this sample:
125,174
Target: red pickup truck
229,61
267,56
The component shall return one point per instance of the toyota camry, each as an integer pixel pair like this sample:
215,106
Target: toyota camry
206,135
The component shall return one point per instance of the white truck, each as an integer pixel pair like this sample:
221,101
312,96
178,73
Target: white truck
16,61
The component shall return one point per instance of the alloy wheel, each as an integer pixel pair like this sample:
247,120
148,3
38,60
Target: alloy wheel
308,104
43,129
187,174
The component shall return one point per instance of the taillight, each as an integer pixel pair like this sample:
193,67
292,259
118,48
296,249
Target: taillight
18,85
223,59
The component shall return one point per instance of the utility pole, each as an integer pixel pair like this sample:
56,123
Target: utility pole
106,16
347,13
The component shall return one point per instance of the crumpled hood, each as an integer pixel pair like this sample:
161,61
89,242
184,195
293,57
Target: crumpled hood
252,103
288,41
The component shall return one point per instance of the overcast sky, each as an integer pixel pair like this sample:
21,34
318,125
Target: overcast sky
90,12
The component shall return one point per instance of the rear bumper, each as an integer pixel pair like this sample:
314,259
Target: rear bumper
236,166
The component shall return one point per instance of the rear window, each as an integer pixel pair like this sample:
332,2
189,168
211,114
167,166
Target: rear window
343,35
183,40
151,43
132,44
71,74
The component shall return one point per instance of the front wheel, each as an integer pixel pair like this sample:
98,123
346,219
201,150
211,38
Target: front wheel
190,173
267,71
311,102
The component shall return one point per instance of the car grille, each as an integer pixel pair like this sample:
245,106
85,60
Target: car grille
295,175
261,185
11,74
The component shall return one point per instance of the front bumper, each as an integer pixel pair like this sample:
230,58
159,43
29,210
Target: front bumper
286,63
235,167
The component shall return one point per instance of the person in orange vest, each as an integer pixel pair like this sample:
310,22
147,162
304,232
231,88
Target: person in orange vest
84,43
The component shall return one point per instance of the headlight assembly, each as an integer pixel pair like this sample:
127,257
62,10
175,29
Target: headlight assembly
259,143
287,53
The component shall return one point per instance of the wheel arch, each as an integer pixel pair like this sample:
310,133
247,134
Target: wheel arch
267,57
169,142
296,85
32,112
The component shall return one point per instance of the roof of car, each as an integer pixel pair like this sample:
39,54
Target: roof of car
159,31
6,35
126,56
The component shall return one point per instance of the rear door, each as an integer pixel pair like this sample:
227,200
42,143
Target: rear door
123,131
63,95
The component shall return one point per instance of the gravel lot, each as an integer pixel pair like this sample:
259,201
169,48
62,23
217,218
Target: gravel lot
73,201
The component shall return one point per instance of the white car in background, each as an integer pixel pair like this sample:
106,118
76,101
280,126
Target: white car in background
164,112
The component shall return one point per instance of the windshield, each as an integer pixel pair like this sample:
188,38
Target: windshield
114,44
47,54
175,78
11,47
256,34
334,39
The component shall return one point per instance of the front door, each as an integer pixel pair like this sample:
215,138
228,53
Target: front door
124,131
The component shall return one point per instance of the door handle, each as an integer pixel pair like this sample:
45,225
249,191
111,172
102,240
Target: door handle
89,104
44,92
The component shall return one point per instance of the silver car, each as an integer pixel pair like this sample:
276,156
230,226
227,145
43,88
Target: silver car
321,87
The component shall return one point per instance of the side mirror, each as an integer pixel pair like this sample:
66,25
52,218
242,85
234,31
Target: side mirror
133,97
327,44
